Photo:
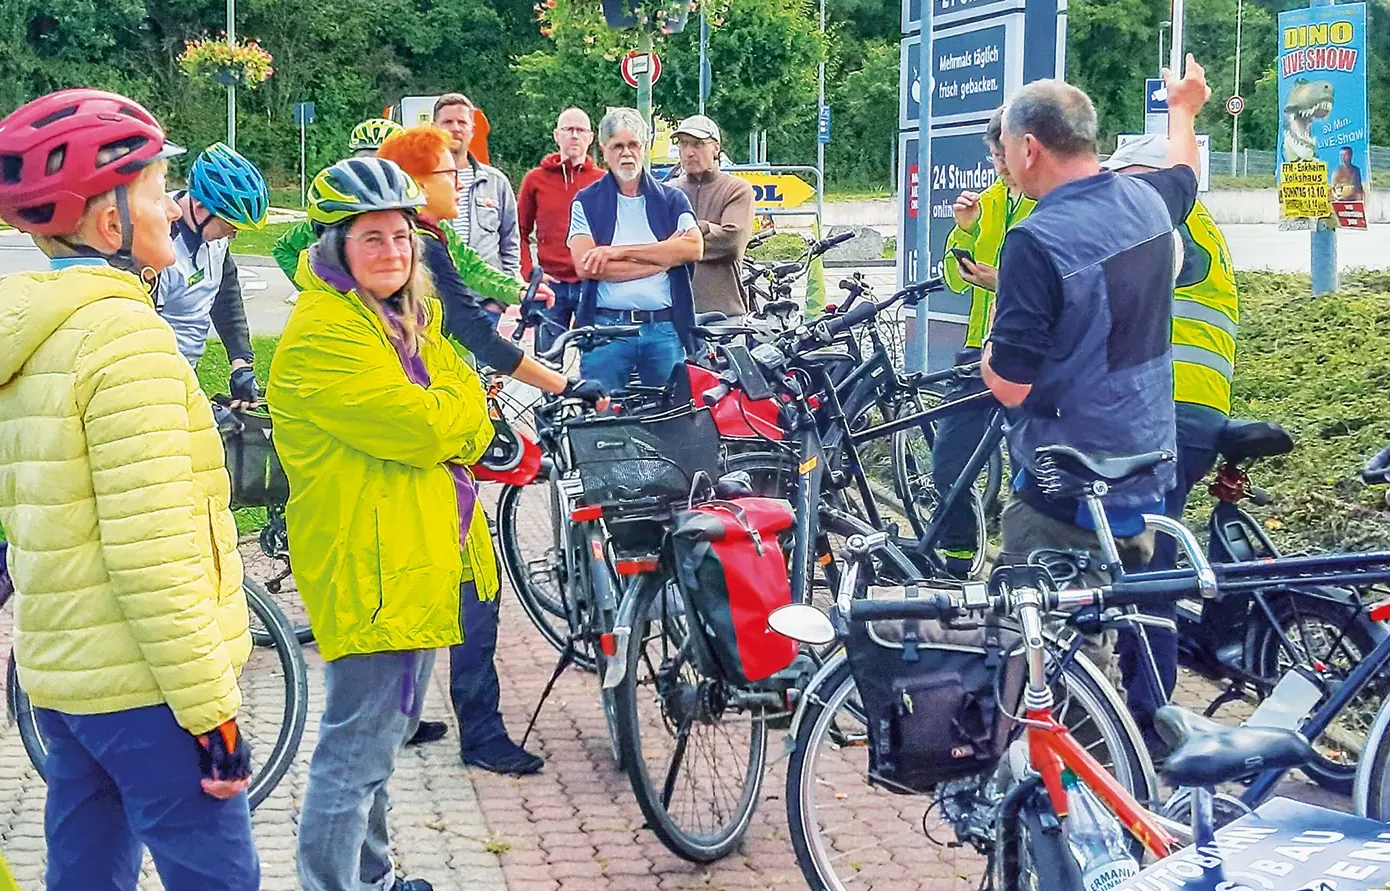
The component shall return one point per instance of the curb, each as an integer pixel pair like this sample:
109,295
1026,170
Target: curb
254,260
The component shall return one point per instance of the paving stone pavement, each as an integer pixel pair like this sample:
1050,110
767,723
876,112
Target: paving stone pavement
574,826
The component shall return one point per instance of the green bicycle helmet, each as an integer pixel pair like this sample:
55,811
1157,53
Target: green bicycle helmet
371,133
361,185
230,187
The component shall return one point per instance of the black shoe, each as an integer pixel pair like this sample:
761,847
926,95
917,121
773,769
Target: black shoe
504,756
428,732
404,884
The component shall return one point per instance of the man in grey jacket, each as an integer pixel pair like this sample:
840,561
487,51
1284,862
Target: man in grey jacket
486,219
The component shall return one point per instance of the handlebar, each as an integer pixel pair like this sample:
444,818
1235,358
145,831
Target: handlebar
587,333
824,245
528,319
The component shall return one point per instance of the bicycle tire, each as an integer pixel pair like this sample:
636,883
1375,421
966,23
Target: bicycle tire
690,843
273,768
547,610
1335,772
826,727
274,544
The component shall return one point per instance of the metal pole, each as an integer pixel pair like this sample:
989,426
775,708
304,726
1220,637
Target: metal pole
644,80
1162,26
231,88
1235,118
1323,250
915,358
1176,52
704,60
303,198
820,112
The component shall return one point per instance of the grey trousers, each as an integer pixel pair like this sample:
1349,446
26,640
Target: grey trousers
1024,529
343,845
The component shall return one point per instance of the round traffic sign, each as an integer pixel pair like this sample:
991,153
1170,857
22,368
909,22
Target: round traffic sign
634,63
1235,105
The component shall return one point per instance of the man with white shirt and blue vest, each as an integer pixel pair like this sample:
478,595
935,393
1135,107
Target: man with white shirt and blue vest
201,291
634,242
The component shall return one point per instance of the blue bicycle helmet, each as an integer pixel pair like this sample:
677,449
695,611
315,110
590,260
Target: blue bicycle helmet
230,187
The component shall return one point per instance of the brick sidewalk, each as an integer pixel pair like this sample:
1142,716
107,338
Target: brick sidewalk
574,826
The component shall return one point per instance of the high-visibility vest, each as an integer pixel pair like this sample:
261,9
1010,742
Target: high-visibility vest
1206,315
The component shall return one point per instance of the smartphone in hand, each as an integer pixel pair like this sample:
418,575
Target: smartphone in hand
962,256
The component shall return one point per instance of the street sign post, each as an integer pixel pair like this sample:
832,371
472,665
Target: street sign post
1235,105
960,60
634,65
1155,107
303,116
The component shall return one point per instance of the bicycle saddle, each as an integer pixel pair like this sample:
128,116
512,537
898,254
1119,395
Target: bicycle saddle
1206,753
710,318
1242,440
1048,459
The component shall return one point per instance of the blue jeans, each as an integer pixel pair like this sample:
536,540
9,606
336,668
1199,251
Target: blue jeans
1142,697
130,779
652,355
558,316
343,845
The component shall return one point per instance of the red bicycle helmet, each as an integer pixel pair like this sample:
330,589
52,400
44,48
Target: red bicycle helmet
65,148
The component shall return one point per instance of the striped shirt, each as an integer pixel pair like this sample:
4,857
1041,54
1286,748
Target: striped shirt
463,223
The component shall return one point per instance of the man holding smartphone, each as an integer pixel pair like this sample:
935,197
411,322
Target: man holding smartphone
973,247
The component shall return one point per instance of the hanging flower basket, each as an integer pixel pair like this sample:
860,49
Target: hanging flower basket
665,16
243,64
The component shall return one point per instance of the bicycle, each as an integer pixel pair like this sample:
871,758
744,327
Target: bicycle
972,806
274,670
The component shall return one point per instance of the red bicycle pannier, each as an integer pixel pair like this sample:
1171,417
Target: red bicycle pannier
732,569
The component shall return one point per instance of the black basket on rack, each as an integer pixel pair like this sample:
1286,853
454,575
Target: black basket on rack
628,457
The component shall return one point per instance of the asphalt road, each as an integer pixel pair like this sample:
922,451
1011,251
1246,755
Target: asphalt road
1252,246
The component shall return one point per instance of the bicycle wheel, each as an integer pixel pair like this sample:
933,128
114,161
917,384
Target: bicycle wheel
849,835
528,530
694,757
1331,639
274,693
912,478
270,566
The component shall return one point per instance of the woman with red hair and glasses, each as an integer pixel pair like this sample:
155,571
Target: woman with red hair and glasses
131,627
423,153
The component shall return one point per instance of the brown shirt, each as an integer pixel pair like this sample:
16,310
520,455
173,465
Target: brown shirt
723,207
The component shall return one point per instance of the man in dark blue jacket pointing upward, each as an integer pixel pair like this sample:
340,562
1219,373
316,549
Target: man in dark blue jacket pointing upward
634,242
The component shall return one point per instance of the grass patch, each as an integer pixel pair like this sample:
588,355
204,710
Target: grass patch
285,196
1318,365
259,243
782,246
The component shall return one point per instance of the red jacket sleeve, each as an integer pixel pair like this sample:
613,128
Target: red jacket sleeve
526,221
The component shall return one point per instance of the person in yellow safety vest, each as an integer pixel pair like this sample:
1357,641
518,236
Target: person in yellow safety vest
982,220
1206,313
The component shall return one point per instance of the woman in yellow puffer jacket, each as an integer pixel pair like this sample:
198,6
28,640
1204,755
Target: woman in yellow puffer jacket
131,626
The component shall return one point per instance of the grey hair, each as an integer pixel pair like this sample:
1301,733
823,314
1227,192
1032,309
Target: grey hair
994,130
618,119
1057,114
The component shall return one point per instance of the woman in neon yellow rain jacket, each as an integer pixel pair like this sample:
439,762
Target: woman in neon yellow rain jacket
376,419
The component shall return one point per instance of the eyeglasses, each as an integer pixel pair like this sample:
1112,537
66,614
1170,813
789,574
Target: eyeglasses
377,244
452,173
997,157
624,148
574,131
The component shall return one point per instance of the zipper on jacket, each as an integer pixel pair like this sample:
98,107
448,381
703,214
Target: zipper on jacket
380,579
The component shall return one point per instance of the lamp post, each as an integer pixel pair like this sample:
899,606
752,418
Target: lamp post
1235,118
231,87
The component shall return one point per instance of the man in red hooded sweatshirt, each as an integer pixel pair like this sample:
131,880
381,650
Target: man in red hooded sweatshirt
544,205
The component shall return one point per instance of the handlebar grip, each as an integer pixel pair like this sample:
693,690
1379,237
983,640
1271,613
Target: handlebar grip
1151,592
834,241
859,314
934,606
712,396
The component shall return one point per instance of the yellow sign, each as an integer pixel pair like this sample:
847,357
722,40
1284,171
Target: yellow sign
777,191
1303,191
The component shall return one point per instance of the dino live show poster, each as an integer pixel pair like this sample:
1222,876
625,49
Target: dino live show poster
1324,134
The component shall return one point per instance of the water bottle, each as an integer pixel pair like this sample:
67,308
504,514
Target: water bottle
1096,838
1289,703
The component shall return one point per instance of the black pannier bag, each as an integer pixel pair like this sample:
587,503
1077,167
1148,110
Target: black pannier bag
939,700
258,480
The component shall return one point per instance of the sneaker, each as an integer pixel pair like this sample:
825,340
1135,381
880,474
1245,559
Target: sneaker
504,756
404,884
428,732
958,563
